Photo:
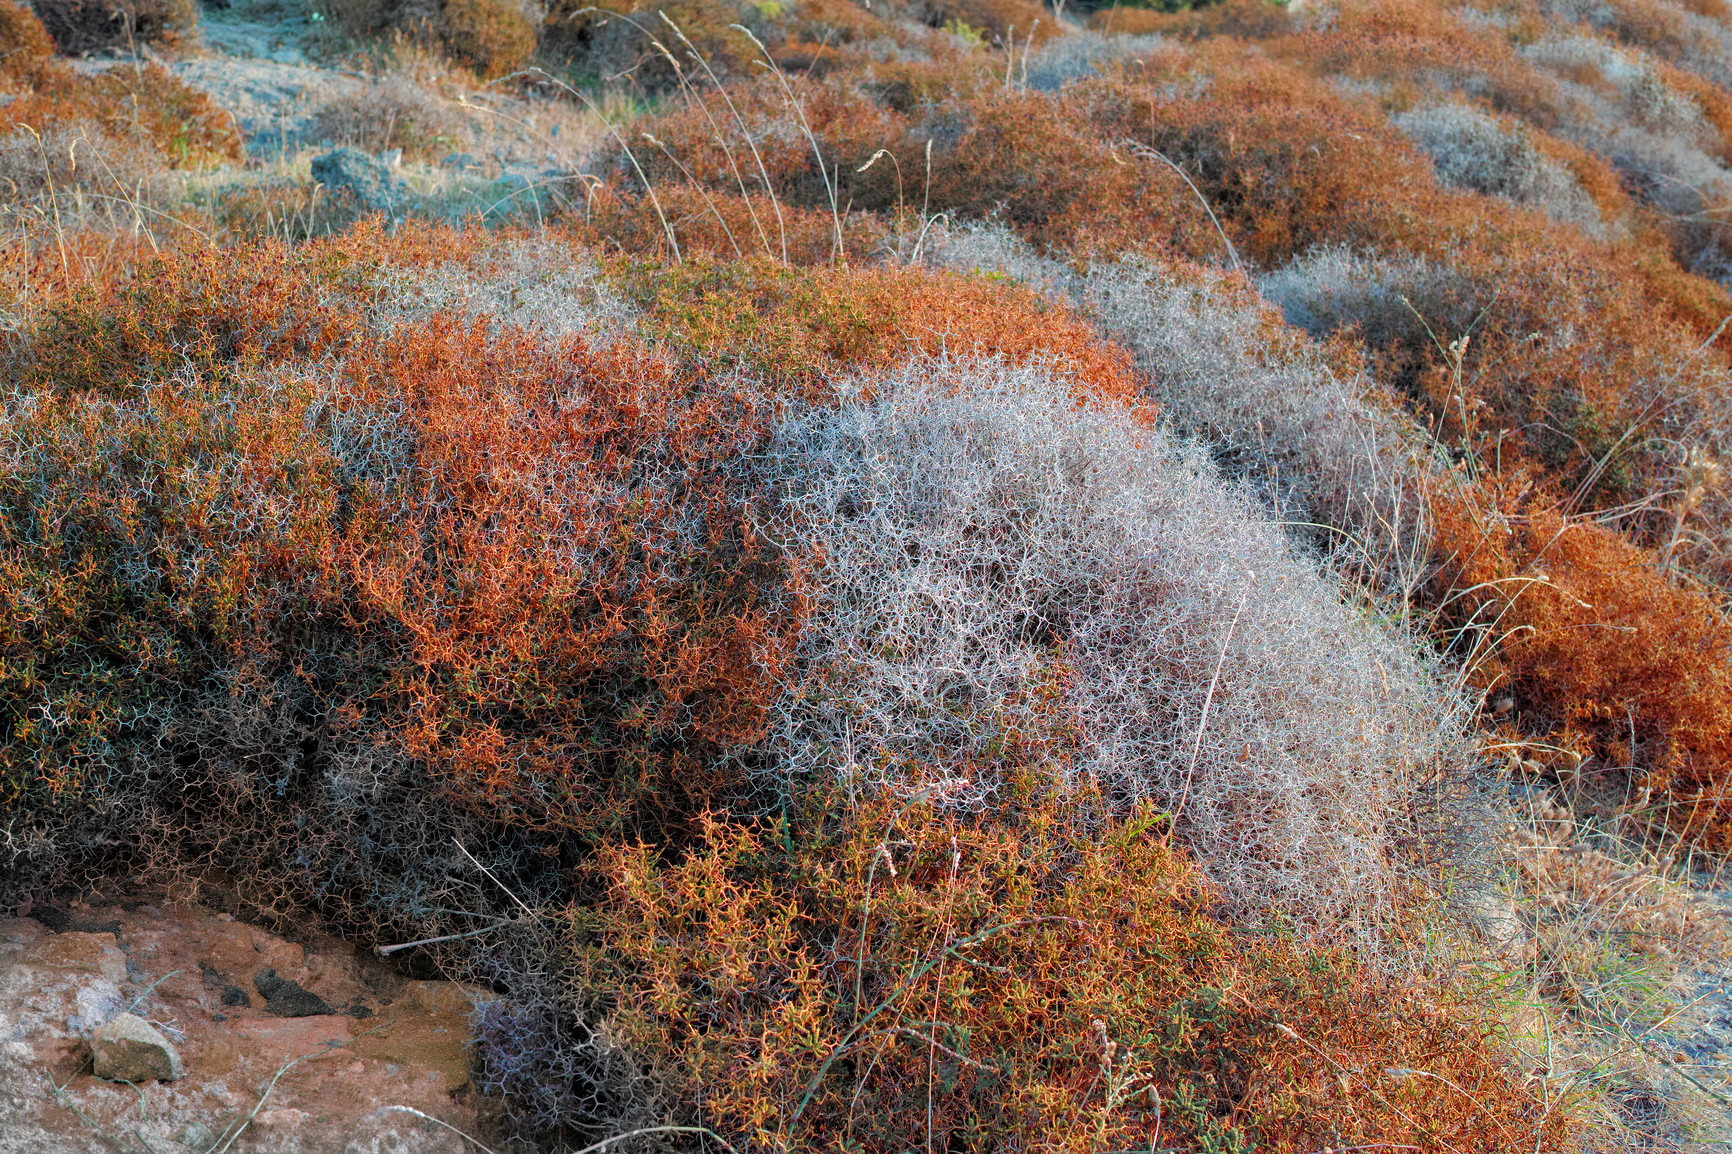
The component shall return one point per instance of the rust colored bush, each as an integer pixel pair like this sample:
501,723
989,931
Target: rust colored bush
716,224
25,45
1048,166
620,36
999,19
285,210
392,114
419,569
801,328
1244,19
493,37
145,108
1601,653
1042,978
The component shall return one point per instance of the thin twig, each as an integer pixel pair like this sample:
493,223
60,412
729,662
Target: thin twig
1146,151
1208,698
704,1130
526,910
439,1122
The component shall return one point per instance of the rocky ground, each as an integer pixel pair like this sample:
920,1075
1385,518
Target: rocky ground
286,1044
329,1061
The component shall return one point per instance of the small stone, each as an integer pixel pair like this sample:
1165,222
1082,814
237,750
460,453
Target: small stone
288,999
130,1049
282,1118
196,1135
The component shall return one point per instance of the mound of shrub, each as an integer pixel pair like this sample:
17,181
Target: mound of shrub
493,37
27,45
1007,575
313,562
799,328
82,26
1037,976
1020,705
494,692
129,123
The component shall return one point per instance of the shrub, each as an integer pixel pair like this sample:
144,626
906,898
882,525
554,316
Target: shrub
81,26
1246,19
417,19
1299,422
800,329
27,44
1007,577
1473,150
348,566
391,114
31,164
999,19
715,225
1036,978
1599,652
493,37
545,284
284,210
618,37
1081,54
146,108
1045,165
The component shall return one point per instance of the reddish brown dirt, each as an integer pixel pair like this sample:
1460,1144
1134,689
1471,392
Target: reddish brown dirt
393,1043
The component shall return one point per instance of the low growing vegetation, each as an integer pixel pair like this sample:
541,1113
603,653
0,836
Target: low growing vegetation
978,576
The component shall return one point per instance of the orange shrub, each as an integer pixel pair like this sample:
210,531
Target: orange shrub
285,210
717,224
24,43
618,36
80,26
1246,19
1600,653
567,686
999,19
146,107
801,328
1040,978
493,37
1049,166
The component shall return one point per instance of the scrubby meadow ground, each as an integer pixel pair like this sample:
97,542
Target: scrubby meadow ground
933,574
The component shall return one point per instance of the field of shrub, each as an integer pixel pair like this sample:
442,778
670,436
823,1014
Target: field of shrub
959,575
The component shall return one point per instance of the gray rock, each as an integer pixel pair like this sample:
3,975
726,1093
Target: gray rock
288,999
129,1049
97,1002
370,181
